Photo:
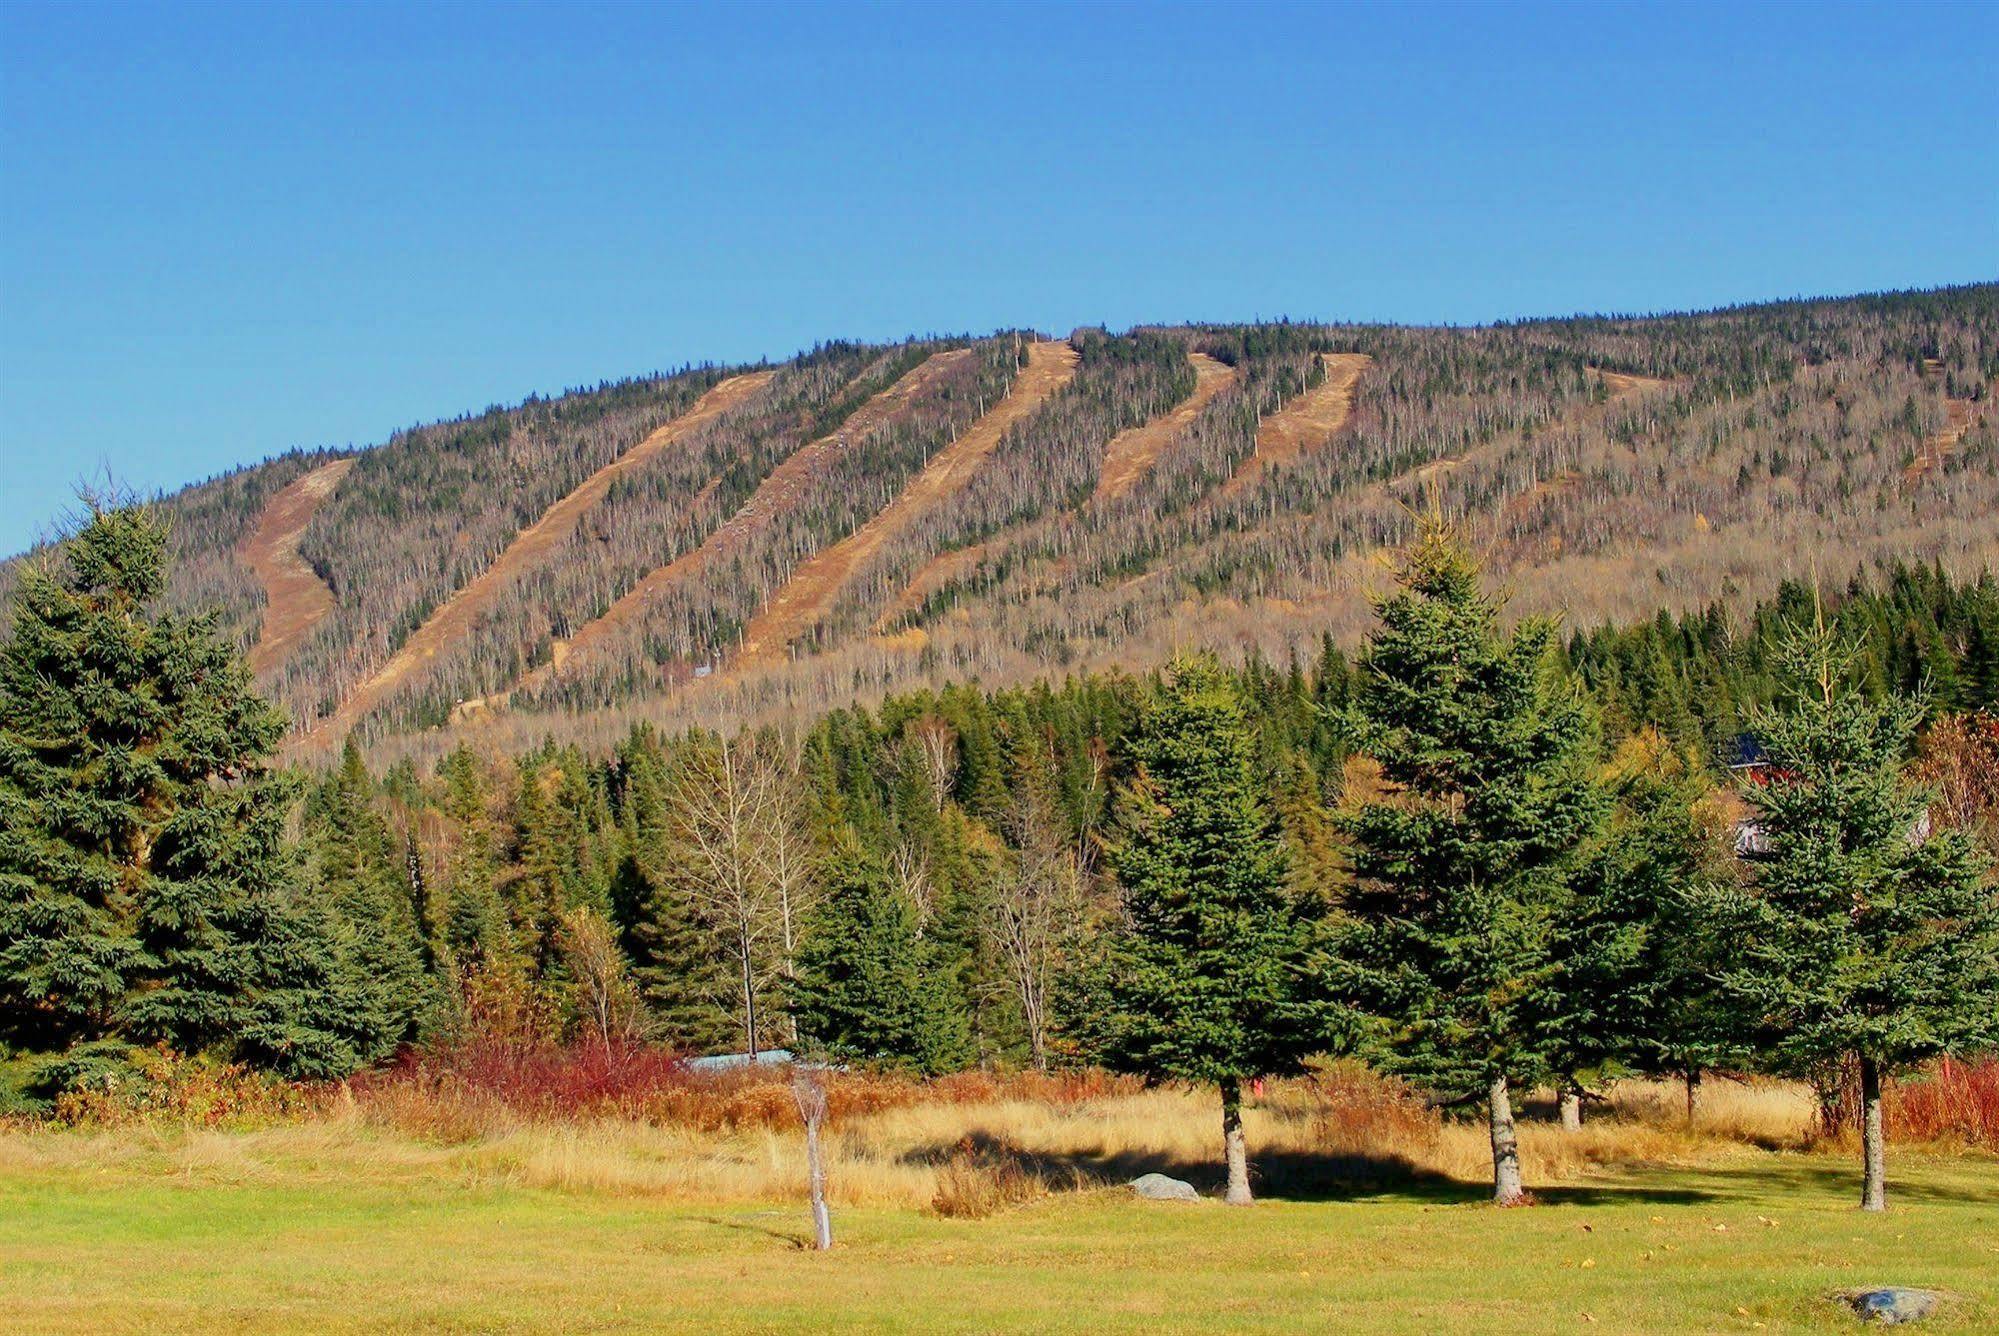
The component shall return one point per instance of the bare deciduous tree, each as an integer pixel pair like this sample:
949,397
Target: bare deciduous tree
735,810
605,998
1033,905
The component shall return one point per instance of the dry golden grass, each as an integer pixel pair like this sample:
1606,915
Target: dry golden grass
954,1157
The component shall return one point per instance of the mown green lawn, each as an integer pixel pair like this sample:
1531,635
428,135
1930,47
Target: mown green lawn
1750,1242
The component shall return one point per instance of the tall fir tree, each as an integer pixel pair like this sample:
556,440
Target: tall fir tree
1211,976
1463,869
364,880
144,883
869,989
1629,990
1859,933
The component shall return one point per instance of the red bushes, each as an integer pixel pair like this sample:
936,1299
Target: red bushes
542,1080
1949,1100
1958,1102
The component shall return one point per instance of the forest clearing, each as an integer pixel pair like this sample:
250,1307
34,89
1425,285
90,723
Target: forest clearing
804,598
986,1204
295,598
776,495
468,604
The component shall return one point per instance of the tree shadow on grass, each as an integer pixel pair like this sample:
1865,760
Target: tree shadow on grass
1285,1175
797,1241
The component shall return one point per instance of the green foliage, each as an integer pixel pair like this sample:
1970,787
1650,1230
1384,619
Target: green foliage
1212,975
1464,867
1859,931
145,888
868,988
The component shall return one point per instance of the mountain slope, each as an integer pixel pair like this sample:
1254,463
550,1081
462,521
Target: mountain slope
722,544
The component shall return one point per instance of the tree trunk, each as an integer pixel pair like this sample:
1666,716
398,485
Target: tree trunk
1874,1181
749,999
1693,1094
1506,1190
822,1219
1572,1108
810,1092
1232,1143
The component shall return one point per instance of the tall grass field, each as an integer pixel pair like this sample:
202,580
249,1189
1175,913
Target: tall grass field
606,1192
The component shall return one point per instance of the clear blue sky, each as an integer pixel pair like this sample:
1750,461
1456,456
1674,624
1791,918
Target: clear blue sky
225,232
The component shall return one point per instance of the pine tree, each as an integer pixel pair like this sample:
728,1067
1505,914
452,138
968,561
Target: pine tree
676,960
364,882
1211,978
1462,872
1859,934
1631,987
144,883
475,926
868,989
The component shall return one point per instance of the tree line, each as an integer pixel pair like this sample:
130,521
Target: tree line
1474,854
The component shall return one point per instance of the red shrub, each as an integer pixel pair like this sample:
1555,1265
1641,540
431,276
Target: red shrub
1958,1102
534,1078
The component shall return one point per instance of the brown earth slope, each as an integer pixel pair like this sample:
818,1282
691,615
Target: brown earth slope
295,598
1128,457
1306,423
797,607
775,495
458,613
1963,414
1132,453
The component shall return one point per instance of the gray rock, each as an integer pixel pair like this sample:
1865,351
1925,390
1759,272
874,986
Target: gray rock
1158,1187
1893,1304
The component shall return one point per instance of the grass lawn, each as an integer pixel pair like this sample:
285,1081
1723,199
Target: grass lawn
1751,1241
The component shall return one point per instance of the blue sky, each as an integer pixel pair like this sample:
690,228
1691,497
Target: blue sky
225,232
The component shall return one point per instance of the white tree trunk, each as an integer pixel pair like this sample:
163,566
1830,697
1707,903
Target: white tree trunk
1572,1109
1506,1189
810,1092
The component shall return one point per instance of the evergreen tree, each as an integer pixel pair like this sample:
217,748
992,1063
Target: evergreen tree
677,965
1631,986
1463,870
1210,978
365,883
1860,935
868,989
475,923
144,884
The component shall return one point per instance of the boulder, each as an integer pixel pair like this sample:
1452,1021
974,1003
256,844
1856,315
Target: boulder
1158,1187
1892,1304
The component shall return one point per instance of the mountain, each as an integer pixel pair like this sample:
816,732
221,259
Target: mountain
732,543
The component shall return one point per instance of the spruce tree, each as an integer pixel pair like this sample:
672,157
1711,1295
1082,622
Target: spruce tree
869,989
1630,989
144,882
1463,869
677,962
1210,977
1859,934
364,881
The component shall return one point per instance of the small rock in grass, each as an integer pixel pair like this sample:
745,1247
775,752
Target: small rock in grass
1892,1305
1158,1187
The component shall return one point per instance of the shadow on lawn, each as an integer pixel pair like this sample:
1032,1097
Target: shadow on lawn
1297,1176
799,1242
1291,1175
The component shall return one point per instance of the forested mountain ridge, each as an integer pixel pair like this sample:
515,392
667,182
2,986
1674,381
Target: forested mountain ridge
1009,506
